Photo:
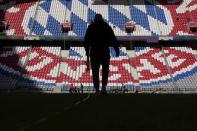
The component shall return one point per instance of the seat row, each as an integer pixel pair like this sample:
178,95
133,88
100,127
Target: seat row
42,67
26,66
151,17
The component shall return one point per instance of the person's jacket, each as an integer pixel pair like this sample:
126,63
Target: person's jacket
98,38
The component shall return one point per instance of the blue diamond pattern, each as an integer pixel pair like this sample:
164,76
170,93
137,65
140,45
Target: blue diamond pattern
117,18
79,26
46,5
91,15
53,26
38,29
140,17
160,15
69,4
150,8
85,2
65,2
114,16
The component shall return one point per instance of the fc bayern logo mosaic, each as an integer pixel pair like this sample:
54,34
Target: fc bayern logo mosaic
149,64
151,70
40,66
148,23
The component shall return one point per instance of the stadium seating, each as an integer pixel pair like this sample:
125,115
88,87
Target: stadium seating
181,14
151,68
42,67
36,67
156,68
16,17
145,69
151,17
75,70
12,60
183,66
172,67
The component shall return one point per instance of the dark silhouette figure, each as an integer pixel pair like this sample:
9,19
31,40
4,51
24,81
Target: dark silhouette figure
99,37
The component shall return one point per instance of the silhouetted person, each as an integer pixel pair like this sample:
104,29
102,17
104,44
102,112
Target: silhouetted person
98,38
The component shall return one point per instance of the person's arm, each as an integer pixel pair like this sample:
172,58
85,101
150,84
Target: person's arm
87,45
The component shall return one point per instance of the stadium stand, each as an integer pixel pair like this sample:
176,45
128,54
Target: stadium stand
36,67
42,68
151,17
12,61
142,67
147,68
150,64
16,16
181,15
74,70
182,63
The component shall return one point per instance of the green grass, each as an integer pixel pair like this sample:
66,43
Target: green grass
57,112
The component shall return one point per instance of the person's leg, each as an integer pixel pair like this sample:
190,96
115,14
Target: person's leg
95,73
105,72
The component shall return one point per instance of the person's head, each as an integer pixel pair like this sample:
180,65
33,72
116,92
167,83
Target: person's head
98,17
